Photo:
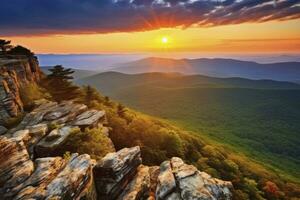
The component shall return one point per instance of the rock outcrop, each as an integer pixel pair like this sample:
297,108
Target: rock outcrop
47,178
178,180
13,74
115,170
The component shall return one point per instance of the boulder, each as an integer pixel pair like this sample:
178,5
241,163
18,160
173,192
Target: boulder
115,170
178,180
49,145
166,181
15,164
139,187
75,181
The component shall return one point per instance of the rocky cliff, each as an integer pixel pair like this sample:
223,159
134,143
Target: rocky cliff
31,166
14,73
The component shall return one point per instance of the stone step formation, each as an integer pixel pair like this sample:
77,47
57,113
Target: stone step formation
30,167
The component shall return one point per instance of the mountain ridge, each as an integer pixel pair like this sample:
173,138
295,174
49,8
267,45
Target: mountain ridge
218,67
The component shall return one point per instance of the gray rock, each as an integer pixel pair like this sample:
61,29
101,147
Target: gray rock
139,187
90,118
55,139
2,130
178,180
115,170
166,181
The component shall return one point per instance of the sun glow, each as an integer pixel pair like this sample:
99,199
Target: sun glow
164,40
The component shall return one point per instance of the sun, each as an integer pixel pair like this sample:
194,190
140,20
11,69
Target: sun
164,40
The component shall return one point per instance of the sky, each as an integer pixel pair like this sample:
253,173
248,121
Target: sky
161,26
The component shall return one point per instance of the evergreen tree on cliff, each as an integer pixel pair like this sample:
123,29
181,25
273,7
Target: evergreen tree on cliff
20,51
59,84
4,46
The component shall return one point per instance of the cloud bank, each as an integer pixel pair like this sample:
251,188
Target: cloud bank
27,17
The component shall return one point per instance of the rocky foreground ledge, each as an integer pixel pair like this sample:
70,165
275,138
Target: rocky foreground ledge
30,167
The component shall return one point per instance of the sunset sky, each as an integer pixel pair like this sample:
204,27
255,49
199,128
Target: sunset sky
130,26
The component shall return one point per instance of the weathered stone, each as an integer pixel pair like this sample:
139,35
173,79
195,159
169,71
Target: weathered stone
178,180
74,180
2,130
15,165
154,172
13,74
36,132
46,170
90,118
48,145
139,187
23,135
115,170
166,181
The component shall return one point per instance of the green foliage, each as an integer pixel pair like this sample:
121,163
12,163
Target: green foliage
31,92
4,46
20,51
160,140
91,141
67,155
59,85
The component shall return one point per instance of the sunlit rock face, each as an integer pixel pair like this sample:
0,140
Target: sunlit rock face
115,170
178,180
13,74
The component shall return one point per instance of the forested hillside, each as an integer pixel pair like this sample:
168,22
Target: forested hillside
259,118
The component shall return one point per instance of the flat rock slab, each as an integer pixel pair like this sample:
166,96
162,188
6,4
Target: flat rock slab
90,118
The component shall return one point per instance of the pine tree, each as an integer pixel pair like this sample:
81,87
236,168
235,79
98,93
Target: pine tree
121,110
4,46
91,94
59,84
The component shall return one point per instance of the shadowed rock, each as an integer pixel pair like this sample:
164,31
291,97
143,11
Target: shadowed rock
139,187
49,144
115,170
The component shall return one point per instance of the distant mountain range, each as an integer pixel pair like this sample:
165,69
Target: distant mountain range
110,82
218,67
78,73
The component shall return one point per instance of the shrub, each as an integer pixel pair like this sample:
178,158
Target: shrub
91,141
31,92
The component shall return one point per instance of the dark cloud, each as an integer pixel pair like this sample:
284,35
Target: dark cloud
22,17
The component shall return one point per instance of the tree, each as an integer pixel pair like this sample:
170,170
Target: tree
121,110
59,84
91,95
60,72
5,45
20,50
